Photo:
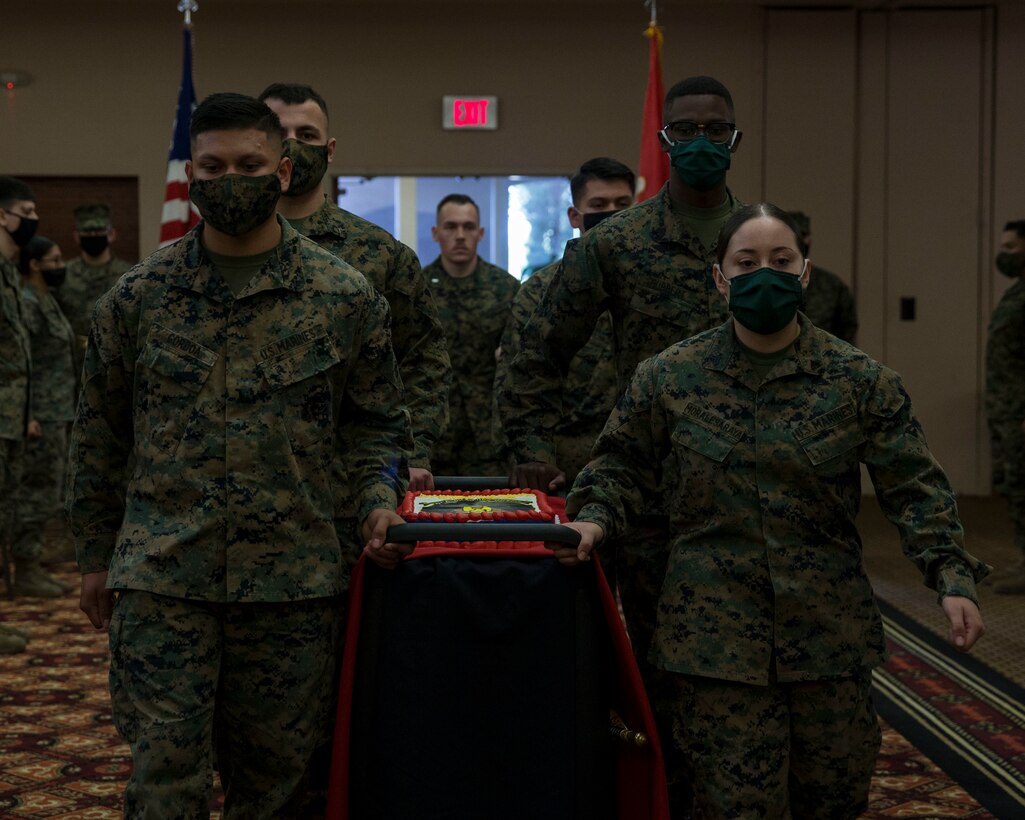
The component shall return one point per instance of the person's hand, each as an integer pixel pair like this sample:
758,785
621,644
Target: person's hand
34,430
375,531
966,626
591,536
538,475
95,600
420,479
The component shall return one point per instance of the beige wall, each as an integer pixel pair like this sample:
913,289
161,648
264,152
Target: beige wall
822,96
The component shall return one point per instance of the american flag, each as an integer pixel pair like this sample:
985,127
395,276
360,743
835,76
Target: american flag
179,214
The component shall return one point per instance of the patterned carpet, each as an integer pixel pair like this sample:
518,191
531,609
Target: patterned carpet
61,758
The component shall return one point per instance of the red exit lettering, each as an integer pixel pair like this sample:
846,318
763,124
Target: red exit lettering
469,113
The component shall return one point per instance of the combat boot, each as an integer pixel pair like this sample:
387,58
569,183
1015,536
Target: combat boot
59,582
24,634
32,581
10,643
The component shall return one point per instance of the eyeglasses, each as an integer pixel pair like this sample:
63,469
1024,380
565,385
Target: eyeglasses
685,131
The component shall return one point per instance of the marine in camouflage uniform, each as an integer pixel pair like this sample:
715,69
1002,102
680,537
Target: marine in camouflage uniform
15,372
590,387
38,497
473,311
89,277
1005,397
201,480
766,608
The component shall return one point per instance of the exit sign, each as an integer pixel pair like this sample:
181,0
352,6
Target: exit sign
466,113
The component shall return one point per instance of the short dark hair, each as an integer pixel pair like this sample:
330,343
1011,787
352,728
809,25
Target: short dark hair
292,94
695,86
747,213
36,248
456,199
228,111
14,190
599,168
1018,226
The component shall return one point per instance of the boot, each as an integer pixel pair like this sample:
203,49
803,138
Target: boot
10,643
32,581
59,582
24,634
1011,584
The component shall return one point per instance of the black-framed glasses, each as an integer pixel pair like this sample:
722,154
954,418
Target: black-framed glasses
685,131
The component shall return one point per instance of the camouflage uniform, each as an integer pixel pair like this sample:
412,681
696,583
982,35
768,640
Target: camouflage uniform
765,585
829,304
53,406
590,384
648,268
473,310
15,370
417,336
83,286
201,479
1005,402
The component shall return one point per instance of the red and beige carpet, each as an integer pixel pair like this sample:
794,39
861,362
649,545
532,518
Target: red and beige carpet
953,741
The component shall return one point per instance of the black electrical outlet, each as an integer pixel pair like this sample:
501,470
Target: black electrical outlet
907,308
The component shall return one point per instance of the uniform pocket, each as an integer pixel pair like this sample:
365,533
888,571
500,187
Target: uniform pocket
167,404
831,440
299,379
702,457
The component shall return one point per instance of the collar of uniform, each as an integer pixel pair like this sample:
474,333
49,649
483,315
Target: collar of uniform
672,223
283,270
324,220
725,355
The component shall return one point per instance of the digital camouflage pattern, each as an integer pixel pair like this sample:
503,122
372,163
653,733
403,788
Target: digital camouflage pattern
264,665
52,344
762,482
591,384
38,495
237,408
417,335
15,355
37,498
803,750
829,304
644,265
82,288
473,312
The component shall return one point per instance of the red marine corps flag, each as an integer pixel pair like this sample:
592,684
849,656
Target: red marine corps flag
179,214
653,169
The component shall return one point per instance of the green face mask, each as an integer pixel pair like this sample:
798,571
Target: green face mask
701,164
765,300
309,164
234,203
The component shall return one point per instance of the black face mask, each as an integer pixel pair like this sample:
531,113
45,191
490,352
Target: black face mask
25,231
54,277
93,245
1011,264
592,219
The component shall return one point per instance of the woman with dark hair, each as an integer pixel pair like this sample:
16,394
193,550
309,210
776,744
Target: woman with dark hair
38,497
754,432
